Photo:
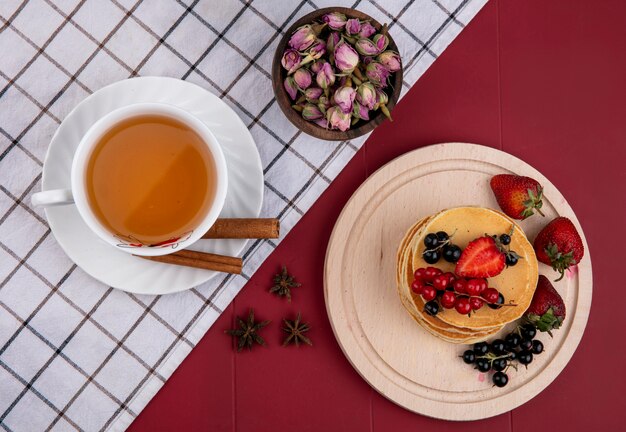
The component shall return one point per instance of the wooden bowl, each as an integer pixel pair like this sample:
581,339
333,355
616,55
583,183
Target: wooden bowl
279,74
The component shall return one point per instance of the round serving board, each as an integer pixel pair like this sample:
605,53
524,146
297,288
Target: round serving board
393,353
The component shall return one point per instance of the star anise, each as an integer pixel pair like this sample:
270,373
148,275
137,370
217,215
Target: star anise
247,333
295,331
283,282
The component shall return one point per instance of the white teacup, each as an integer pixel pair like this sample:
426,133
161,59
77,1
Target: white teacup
78,194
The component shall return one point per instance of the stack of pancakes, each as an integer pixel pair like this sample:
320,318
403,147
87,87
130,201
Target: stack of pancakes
517,284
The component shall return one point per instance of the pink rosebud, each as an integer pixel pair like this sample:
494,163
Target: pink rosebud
325,77
321,122
366,95
291,87
317,65
346,58
323,103
335,20
381,42
359,111
391,60
338,119
302,38
318,49
366,47
344,97
311,112
302,78
332,41
313,94
291,60
353,26
377,74
366,30
381,97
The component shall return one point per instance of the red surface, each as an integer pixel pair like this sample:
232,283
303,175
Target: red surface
542,80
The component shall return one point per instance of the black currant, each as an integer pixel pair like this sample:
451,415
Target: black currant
442,236
498,304
431,256
500,379
525,357
481,348
512,341
529,331
451,253
469,357
432,308
537,347
499,364
497,346
505,239
510,260
526,344
512,355
483,365
431,241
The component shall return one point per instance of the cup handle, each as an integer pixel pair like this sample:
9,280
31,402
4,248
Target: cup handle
51,198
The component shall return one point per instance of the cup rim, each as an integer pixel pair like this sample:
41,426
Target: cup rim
91,138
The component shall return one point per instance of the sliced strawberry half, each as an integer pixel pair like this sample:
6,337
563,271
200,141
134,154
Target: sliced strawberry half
481,259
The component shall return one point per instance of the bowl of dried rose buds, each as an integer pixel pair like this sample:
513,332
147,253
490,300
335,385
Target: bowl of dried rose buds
337,73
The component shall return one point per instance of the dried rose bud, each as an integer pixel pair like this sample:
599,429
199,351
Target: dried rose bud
311,112
361,112
317,65
366,30
344,97
332,41
346,58
366,47
321,122
366,95
381,42
353,26
325,77
291,87
323,103
335,20
381,97
338,119
377,74
291,60
318,49
312,94
302,77
391,60
302,38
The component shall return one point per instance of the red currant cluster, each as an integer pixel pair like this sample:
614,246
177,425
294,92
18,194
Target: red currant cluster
451,291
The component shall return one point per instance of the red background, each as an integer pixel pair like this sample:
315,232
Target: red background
543,80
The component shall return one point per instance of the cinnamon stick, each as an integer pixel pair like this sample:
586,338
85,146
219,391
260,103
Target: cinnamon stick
207,261
244,229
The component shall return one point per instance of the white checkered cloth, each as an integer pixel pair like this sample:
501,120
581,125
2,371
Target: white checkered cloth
75,354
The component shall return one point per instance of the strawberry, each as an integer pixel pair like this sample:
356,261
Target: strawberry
546,310
517,196
481,258
559,245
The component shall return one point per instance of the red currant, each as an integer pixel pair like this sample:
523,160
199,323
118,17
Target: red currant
490,295
451,277
448,299
440,282
428,293
430,273
482,286
475,303
417,286
460,286
473,287
419,273
462,305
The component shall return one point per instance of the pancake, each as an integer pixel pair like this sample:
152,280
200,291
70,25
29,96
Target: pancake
517,284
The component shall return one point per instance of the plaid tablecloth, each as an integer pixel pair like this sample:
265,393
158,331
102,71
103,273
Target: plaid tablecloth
75,354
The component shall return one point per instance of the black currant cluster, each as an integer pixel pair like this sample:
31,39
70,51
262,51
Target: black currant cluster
519,345
503,242
438,245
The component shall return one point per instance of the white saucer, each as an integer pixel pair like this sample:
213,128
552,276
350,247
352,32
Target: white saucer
119,269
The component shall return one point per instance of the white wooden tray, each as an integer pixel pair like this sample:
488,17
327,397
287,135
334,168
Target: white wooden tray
390,351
